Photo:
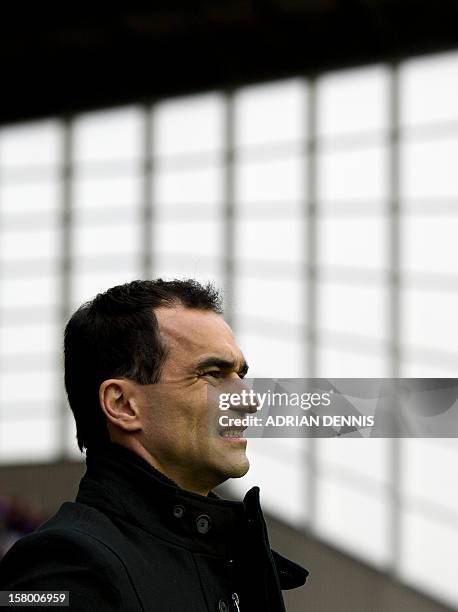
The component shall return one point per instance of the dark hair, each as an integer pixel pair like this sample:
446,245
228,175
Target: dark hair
116,335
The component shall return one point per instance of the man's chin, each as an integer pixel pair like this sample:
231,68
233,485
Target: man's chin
239,469
241,472
230,462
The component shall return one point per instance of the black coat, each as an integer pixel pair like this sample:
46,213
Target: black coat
135,541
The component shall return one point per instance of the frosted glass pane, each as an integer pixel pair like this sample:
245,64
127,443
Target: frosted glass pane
429,244
428,559
29,292
189,125
429,319
429,89
271,357
281,300
109,135
35,220
28,339
193,186
116,240
192,266
354,310
430,471
29,440
108,192
353,242
87,285
27,198
30,144
282,485
353,175
285,450
429,169
278,240
353,101
31,244
271,210
411,369
270,181
27,387
368,457
190,237
347,517
334,363
270,113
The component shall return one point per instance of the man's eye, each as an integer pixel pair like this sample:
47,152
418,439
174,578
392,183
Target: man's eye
214,373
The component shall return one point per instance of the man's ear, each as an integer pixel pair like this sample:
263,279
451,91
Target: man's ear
118,404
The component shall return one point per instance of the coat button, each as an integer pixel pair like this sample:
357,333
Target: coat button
222,606
178,511
203,523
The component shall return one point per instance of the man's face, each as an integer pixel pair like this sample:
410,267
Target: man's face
180,424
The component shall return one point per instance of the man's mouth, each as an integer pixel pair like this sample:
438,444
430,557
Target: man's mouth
232,433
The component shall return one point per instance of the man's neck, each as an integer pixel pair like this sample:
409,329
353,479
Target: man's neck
171,474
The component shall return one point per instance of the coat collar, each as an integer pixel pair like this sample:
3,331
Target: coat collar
122,484
119,482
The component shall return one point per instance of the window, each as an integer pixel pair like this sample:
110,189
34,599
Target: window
326,210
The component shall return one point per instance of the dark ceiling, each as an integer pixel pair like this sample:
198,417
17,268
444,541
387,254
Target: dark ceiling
93,58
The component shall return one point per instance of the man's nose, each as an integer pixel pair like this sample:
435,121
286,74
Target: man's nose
251,403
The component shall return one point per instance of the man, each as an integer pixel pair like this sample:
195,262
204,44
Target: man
142,364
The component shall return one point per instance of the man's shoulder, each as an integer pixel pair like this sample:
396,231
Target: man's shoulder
75,518
73,523
69,549
75,534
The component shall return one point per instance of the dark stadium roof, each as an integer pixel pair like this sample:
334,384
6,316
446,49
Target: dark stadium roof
81,59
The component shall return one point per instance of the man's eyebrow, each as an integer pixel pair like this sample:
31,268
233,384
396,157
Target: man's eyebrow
223,364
